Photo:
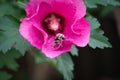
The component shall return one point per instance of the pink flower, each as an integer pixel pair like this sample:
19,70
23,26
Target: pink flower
55,25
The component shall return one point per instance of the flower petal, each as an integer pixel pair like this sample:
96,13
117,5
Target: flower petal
65,8
79,33
25,28
80,8
31,9
38,10
37,36
76,30
32,34
60,7
50,51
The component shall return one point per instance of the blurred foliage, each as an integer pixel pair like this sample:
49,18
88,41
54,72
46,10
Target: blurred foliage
40,57
4,75
65,66
94,3
8,60
63,63
10,37
74,51
97,39
12,45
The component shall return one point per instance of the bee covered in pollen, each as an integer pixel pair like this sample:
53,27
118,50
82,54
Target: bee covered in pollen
58,39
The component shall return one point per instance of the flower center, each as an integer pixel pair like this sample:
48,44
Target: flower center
53,24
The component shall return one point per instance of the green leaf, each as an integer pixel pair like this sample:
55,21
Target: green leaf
9,59
6,9
40,57
97,38
22,45
10,37
93,3
93,23
21,4
74,51
24,1
65,66
12,8
4,75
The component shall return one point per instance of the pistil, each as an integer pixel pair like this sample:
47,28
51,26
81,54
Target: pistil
53,23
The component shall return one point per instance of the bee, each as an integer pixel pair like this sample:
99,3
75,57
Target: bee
58,39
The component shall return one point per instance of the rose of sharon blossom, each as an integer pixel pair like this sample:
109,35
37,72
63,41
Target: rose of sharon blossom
53,26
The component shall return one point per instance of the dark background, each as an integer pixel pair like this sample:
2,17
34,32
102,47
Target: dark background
101,64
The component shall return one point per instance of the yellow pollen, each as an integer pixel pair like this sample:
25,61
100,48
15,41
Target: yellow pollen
53,23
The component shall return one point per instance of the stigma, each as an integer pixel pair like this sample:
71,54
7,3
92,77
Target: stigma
53,22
